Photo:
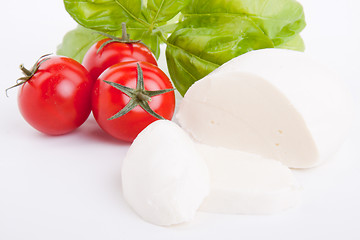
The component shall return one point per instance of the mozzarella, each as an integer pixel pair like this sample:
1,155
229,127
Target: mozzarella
243,183
276,103
164,178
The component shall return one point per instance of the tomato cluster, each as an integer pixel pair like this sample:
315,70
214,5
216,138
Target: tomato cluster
118,81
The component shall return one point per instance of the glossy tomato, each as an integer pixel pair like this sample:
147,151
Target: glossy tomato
55,98
146,95
96,61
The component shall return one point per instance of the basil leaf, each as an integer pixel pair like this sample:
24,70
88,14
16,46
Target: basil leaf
280,20
202,43
104,15
186,68
76,43
164,10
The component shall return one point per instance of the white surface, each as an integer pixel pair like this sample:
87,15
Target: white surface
278,103
162,187
69,187
244,183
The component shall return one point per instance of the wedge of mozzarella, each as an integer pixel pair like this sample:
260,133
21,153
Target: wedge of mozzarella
164,177
279,104
243,183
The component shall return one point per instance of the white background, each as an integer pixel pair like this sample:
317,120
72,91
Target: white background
69,187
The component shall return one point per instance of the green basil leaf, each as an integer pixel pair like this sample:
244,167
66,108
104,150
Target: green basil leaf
76,43
164,10
186,68
280,20
104,15
202,43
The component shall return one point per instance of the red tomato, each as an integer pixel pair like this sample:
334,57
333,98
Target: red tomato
57,98
116,52
108,100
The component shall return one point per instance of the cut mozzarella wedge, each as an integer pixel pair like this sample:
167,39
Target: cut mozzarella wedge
164,177
276,103
243,183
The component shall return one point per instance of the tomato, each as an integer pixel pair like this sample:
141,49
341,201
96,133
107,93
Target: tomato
56,97
148,97
96,61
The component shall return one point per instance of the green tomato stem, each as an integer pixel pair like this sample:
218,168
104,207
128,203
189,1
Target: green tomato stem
143,97
138,96
25,71
125,36
28,73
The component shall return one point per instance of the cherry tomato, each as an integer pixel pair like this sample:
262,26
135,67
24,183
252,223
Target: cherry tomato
55,98
125,114
96,61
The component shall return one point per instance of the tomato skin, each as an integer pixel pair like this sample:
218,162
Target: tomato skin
57,98
114,53
107,100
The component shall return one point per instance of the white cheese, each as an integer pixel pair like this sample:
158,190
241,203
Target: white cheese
243,183
279,104
164,177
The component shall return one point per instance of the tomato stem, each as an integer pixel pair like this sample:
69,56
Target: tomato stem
125,36
25,71
28,73
138,97
143,97
124,39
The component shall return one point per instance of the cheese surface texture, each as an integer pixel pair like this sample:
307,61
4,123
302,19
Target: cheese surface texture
276,103
164,177
243,183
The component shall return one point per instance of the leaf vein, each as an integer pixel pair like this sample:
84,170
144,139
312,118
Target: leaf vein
130,14
158,12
